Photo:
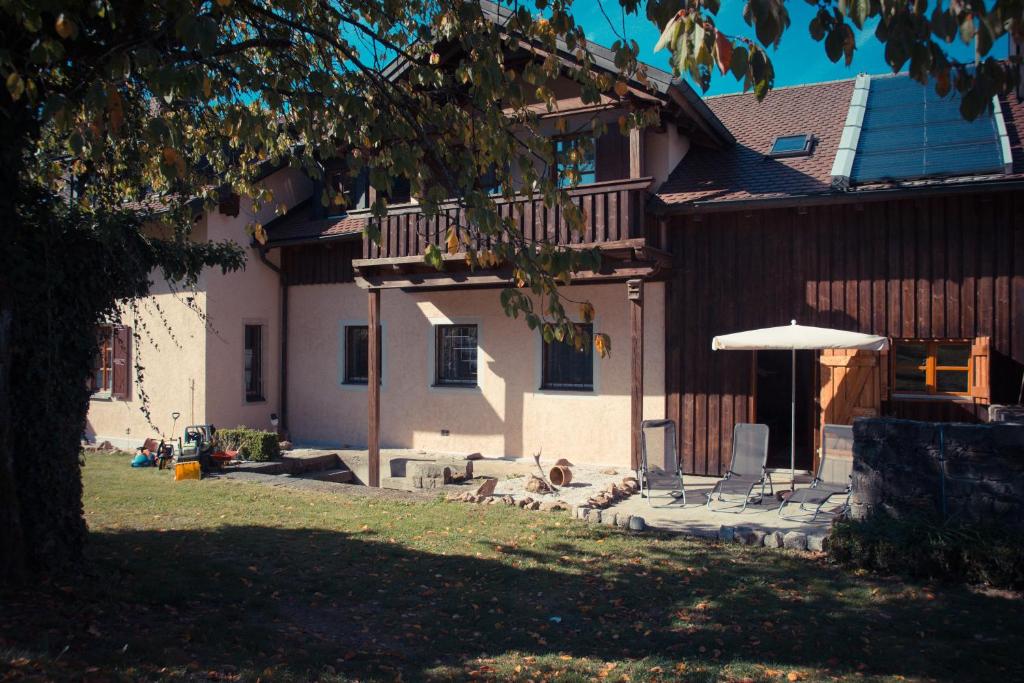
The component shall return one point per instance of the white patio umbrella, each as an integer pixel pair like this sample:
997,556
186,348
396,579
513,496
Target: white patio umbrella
795,338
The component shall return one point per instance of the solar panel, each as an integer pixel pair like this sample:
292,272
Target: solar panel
909,132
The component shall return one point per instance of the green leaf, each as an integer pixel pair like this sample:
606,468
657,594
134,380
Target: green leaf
738,63
15,85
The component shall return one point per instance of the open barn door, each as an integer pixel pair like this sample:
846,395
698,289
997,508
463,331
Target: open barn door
852,384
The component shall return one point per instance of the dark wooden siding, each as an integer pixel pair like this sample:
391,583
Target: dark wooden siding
322,263
940,268
612,155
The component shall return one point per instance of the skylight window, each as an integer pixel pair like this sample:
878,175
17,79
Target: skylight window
791,146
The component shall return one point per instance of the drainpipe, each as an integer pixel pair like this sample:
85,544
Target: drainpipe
283,364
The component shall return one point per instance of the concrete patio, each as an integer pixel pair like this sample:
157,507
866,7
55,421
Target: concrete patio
758,524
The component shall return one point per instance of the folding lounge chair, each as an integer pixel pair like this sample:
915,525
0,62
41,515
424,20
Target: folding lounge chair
833,478
746,471
658,451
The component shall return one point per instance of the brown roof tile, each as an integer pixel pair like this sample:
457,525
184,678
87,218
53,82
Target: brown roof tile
299,225
744,172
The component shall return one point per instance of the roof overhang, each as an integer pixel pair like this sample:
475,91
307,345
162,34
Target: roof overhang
997,184
620,260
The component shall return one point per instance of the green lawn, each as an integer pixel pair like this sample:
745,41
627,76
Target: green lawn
228,581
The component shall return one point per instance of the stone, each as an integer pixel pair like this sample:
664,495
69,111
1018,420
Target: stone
631,480
424,471
105,446
757,537
474,456
622,520
581,512
816,542
523,502
487,487
534,505
508,500
773,539
554,505
537,485
610,471
490,500
629,488
727,533
562,462
795,540
285,445
637,523
743,535
608,518
595,516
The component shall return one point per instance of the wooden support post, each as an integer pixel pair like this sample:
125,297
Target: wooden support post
373,389
636,153
635,295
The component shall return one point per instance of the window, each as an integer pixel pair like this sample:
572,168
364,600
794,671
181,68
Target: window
102,380
575,161
254,363
791,146
455,364
932,366
357,354
400,191
353,189
567,369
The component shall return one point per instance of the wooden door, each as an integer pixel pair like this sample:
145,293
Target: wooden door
853,384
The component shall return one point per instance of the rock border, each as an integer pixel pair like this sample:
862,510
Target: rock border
790,540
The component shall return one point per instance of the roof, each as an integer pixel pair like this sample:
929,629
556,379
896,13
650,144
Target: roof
675,89
743,172
298,225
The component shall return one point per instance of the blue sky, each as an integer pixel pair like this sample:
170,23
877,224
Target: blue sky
798,59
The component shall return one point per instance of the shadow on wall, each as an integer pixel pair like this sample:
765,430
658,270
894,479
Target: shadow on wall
322,597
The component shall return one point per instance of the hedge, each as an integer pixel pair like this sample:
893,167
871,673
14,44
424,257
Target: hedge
251,444
925,547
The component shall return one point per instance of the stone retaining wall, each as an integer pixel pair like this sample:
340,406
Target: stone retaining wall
898,468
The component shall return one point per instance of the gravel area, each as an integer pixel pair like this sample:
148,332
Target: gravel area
586,481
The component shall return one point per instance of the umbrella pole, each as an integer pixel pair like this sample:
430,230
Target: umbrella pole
792,422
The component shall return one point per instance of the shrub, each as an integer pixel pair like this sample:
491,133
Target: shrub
929,548
251,444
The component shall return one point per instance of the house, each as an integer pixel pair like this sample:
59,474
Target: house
862,204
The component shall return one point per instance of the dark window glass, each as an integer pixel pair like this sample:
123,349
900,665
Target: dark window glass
351,188
399,190
254,363
357,354
951,381
566,368
456,355
575,162
953,355
911,367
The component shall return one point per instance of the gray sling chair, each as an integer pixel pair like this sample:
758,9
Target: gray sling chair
833,478
746,470
658,452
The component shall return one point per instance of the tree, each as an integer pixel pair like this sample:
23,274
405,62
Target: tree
112,109
913,34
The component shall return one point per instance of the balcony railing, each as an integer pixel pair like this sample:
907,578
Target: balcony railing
612,210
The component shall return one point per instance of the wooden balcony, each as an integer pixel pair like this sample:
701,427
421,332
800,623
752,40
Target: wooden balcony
613,212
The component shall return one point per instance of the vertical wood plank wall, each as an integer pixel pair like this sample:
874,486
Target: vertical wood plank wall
948,267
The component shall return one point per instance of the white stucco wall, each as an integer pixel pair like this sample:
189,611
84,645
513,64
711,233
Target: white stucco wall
249,296
170,345
507,415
